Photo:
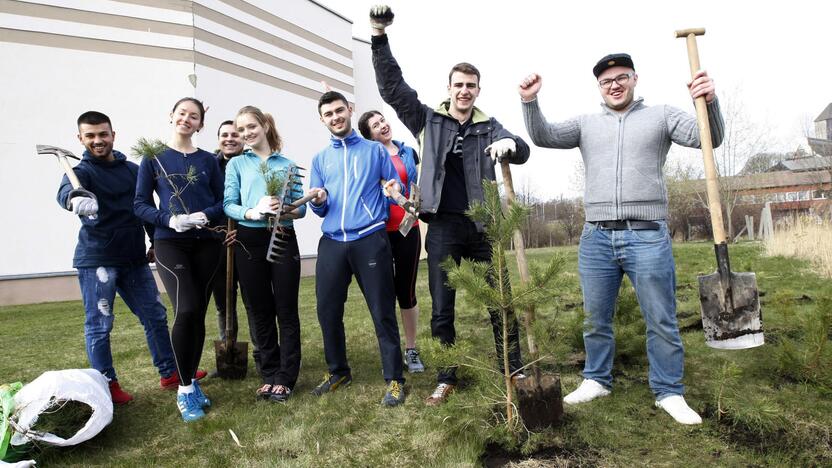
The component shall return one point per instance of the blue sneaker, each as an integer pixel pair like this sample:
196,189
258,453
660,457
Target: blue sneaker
189,407
203,400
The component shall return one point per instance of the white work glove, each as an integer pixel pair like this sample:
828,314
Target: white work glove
84,206
381,16
259,212
181,223
198,219
501,148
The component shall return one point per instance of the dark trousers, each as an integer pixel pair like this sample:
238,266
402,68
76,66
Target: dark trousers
271,290
218,289
371,261
187,268
455,235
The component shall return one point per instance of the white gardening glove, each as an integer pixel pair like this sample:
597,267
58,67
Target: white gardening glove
501,148
198,219
381,16
181,223
84,206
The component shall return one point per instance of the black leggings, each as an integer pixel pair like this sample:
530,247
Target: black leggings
406,252
271,291
187,268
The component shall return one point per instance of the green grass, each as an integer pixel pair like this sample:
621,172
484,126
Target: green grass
775,400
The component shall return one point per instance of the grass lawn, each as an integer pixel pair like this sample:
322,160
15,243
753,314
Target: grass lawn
765,406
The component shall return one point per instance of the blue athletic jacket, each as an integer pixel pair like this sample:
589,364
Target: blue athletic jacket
351,170
203,194
116,237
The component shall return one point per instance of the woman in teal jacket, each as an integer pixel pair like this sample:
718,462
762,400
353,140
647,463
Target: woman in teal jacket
270,288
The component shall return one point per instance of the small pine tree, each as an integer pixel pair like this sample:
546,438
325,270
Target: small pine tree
498,294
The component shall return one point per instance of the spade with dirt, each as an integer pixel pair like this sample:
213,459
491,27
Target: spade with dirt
730,301
232,355
539,395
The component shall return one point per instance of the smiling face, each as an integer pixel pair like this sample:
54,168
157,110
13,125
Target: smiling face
463,91
252,132
336,116
230,141
186,118
379,129
618,96
98,140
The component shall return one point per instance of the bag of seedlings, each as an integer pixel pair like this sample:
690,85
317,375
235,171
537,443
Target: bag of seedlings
61,408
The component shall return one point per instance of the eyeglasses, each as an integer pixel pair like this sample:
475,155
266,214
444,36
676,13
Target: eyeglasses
621,79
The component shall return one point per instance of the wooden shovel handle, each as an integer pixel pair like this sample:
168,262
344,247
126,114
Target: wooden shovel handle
522,263
711,180
229,285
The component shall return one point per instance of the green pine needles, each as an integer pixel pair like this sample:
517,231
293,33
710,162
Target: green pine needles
489,285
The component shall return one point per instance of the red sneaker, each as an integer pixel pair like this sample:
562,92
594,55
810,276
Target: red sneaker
172,382
119,396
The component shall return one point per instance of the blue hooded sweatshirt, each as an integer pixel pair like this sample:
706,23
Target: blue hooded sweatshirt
202,194
351,170
116,237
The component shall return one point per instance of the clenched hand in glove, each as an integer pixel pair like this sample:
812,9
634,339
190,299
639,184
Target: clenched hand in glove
84,206
501,148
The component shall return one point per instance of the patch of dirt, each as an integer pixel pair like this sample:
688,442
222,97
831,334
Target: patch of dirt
552,457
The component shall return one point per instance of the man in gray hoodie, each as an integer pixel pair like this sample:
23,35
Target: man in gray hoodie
624,148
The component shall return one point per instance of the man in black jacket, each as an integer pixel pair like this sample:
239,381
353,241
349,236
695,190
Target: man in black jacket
456,141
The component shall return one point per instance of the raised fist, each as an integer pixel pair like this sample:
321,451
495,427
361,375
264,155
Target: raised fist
381,16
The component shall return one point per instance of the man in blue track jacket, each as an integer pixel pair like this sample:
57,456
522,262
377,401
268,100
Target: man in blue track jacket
346,180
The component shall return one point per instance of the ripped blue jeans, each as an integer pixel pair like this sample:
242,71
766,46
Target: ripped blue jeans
137,288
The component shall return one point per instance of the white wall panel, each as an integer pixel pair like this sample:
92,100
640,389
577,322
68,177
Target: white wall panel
311,17
124,9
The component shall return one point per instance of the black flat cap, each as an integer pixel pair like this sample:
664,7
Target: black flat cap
612,60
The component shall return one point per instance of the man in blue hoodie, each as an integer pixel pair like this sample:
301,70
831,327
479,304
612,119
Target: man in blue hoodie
346,180
110,255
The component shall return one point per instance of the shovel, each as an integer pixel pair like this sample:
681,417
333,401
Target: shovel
63,155
539,395
232,355
730,301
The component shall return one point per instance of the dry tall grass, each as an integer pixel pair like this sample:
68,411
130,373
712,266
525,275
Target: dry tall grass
806,238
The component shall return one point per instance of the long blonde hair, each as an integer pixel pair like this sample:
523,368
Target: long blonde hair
267,122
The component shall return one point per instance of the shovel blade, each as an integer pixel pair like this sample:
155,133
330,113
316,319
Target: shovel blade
731,316
232,361
540,402
406,224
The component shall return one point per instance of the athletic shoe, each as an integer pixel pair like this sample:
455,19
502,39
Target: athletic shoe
587,391
189,407
203,400
440,394
394,395
119,396
414,363
331,383
676,406
264,392
172,382
280,393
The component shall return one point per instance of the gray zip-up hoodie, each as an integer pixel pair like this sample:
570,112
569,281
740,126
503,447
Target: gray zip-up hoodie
623,153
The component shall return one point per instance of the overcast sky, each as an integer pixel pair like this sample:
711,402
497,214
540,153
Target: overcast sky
774,58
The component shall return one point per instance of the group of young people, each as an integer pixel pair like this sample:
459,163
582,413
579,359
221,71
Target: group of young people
353,184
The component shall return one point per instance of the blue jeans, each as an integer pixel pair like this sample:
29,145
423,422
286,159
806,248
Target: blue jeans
646,257
137,288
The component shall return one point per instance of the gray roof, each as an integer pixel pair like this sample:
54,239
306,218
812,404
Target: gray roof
826,114
803,164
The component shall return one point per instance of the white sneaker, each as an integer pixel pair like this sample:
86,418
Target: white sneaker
676,407
587,391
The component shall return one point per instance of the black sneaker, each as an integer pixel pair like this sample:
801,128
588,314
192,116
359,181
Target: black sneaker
394,395
331,383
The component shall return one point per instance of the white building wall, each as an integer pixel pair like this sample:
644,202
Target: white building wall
132,60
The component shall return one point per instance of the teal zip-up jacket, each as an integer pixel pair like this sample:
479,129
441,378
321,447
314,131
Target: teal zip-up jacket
245,185
351,170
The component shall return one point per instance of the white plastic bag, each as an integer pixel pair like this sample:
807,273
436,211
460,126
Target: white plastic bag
84,385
